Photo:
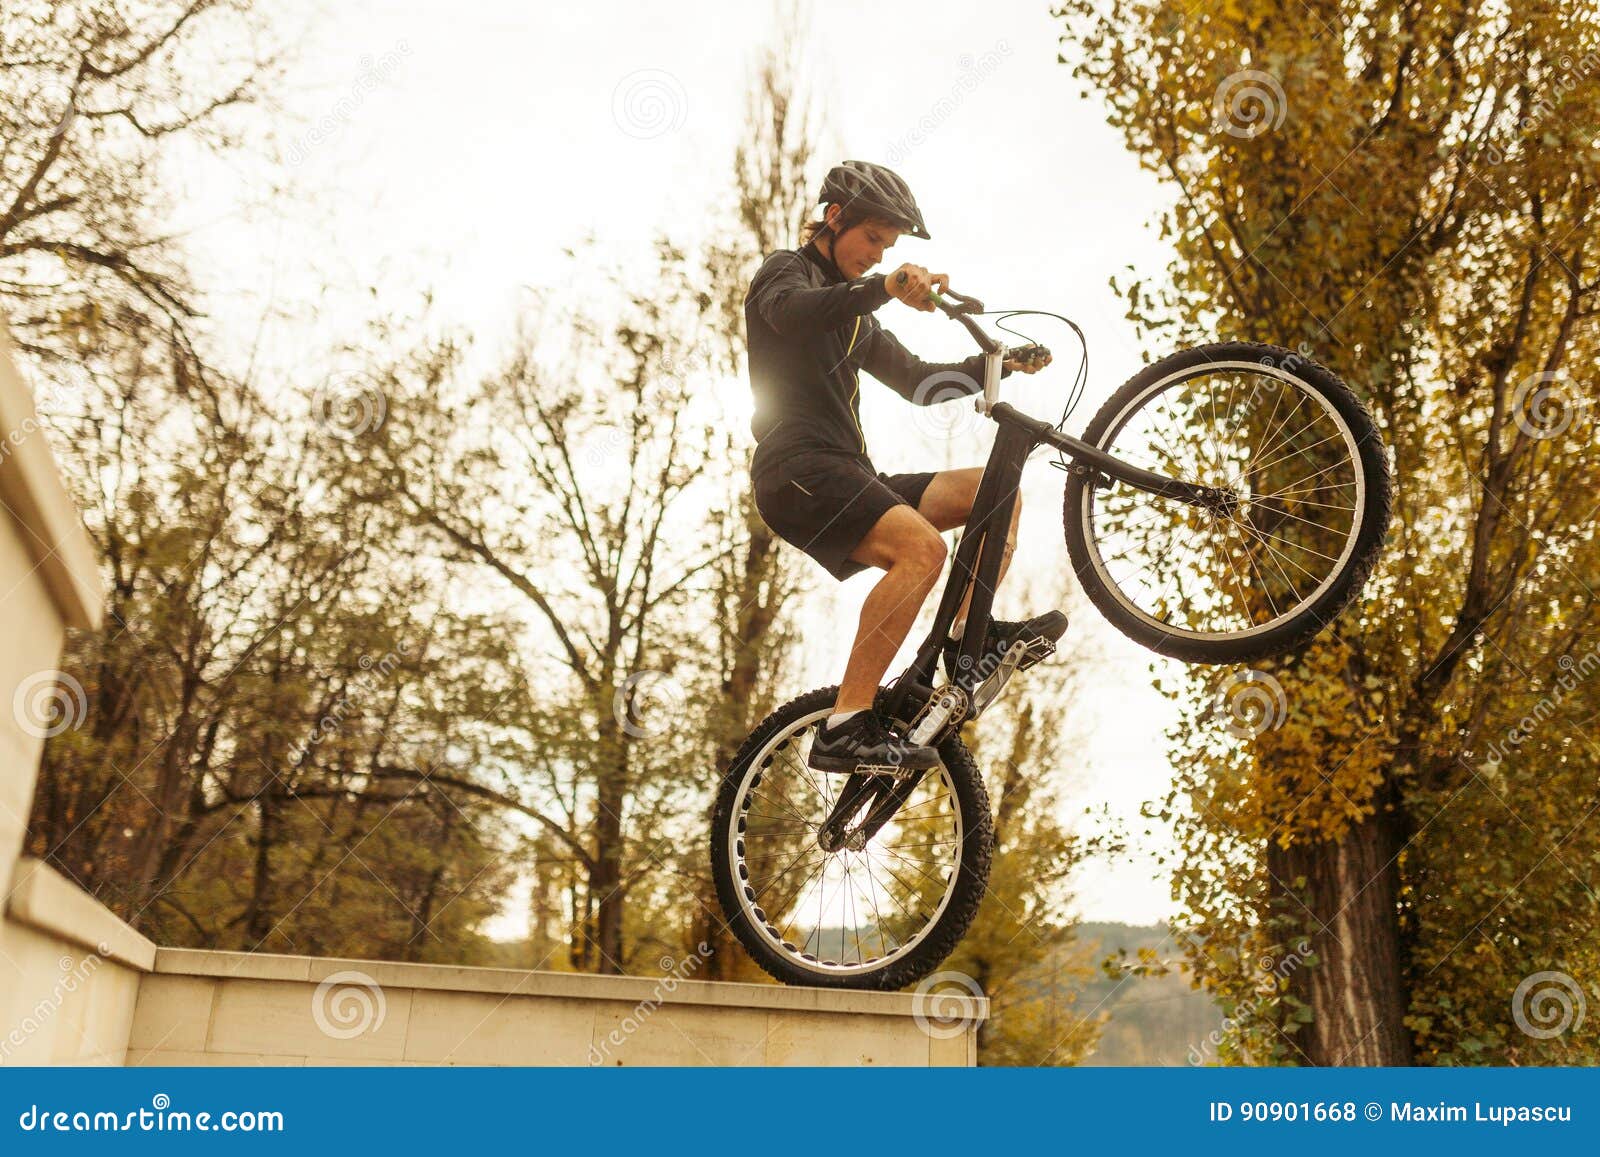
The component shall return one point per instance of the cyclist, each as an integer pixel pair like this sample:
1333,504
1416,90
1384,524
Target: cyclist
810,327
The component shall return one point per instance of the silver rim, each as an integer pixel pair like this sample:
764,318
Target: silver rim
1258,561
845,913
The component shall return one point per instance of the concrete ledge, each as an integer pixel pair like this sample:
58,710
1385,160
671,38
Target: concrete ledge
43,898
70,973
227,1008
579,986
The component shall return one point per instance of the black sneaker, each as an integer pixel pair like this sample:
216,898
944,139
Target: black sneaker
1039,633
865,743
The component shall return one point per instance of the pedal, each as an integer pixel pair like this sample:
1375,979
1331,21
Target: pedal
1036,650
893,771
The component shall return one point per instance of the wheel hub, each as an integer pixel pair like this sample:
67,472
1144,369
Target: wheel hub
1220,500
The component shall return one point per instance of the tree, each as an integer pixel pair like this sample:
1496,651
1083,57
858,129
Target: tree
241,600
1403,191
263,680
91,93
570,476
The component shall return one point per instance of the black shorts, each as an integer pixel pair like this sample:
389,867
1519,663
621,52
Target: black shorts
825,502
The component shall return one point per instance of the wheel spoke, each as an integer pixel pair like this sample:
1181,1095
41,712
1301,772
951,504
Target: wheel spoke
853,905
1288,472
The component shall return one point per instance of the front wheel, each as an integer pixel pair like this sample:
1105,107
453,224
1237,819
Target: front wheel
1302,499
876,913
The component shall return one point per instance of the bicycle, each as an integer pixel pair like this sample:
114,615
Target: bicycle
1238,546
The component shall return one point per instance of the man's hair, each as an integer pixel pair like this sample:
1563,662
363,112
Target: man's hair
809,230
848,219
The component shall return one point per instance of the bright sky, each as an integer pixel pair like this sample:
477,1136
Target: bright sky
458,148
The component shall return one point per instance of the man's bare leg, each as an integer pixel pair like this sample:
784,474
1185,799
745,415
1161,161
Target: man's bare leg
911,553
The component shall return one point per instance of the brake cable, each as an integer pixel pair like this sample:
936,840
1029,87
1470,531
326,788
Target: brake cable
1080,379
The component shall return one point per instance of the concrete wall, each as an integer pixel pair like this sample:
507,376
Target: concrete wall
69,970
48,582
221,1008
78,986
70,974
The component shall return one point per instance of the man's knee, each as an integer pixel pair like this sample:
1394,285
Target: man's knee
925,554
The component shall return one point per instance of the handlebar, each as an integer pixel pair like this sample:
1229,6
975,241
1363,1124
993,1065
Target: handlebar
964,306
994,351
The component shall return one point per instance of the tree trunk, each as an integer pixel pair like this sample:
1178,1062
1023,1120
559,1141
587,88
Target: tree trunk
1350,897
258,916
606,879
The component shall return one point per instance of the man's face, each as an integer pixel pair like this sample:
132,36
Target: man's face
862,246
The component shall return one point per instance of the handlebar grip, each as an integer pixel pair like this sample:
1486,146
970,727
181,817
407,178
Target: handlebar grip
964,304
937,298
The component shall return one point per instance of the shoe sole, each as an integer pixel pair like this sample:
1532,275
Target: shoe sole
845,764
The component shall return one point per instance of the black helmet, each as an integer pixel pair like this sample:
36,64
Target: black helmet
875,191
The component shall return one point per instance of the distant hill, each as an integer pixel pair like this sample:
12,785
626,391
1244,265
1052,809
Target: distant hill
1154,1020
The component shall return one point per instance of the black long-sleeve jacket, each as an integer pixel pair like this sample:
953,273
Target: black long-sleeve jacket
809,334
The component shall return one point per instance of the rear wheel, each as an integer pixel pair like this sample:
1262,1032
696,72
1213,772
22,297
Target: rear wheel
875,914
1302,504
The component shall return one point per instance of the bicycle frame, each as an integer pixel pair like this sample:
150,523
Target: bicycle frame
977,564
978,558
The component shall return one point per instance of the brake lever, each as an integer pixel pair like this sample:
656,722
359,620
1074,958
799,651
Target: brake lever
963,303
966,304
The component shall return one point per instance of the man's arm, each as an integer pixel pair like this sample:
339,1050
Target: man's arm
795,308
925,383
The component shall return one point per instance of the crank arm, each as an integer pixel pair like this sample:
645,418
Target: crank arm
991,687
890,800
